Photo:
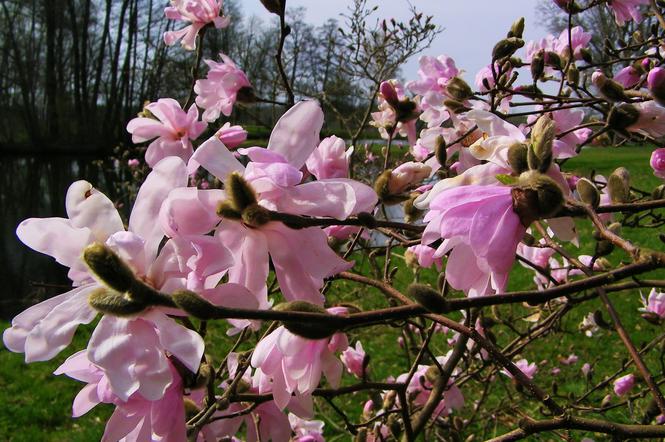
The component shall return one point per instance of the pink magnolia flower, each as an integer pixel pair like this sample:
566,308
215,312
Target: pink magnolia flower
624,384
386,119
434,73
354,360
133,163
627,10
289,364
218,92
651,120
570,360
330,159
345,232
43,330
306,430
481,230
425,256
580,40
656,84
231,136
657,162
529,369
199,13
419,388
628,77
173,129
274,174
655,303
407,175
135,418
586,369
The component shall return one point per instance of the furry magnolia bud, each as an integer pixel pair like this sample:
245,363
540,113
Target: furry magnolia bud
622,116
537,196
113,303
608,88
308,330
459,89
194,305
517,158
506,47
537,65
539,155
240,192
256,216
588,192
109,267
573,74
455,106
618,185
426,296
440,150
517,28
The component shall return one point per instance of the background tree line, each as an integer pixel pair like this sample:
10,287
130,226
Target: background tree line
73,72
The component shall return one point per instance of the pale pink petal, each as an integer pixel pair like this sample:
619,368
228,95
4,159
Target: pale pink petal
183,343
88,207
214,157
296,133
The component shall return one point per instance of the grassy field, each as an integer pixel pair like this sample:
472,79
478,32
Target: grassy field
37,405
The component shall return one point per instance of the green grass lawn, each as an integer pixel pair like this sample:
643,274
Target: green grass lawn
37,404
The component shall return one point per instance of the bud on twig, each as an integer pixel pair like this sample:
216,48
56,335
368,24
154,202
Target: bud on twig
426,296
622,116
307,330
109,267
194,305
539,155
113,303
537,65
588,192
506,47
618,185
517,28
517,158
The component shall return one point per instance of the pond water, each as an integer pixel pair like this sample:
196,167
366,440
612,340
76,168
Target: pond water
35,186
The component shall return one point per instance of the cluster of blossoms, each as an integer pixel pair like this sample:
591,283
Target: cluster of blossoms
475,186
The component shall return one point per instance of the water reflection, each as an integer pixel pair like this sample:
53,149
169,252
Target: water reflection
35,186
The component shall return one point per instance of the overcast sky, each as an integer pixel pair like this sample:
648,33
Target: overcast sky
470,27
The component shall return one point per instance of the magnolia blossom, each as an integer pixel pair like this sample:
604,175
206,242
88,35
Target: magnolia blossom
627,10
580,40
419,388
434,73
172,128
386,119
199,13
132,351
218,92
424,255
275,176
354,360
570,360
306,430
628,77
651,120
657,162
289,364
407,175
624,384
655,303
135,418
586,369
231,136
529,369
589,325
330,159
481,231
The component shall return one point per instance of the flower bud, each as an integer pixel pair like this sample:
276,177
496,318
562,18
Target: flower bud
203,376
622,116
411,212
506,47
459,89
440,150
658,192
573,75
240,192
194,305
588,192
553,59
427,297
618,185
656,84
586,55
109,267
538,196
389,93
539,155
517,158
307,330
432,373
113,303
517,28
537,65
455,106
274,6
657,162
389,400
603,248
608,88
